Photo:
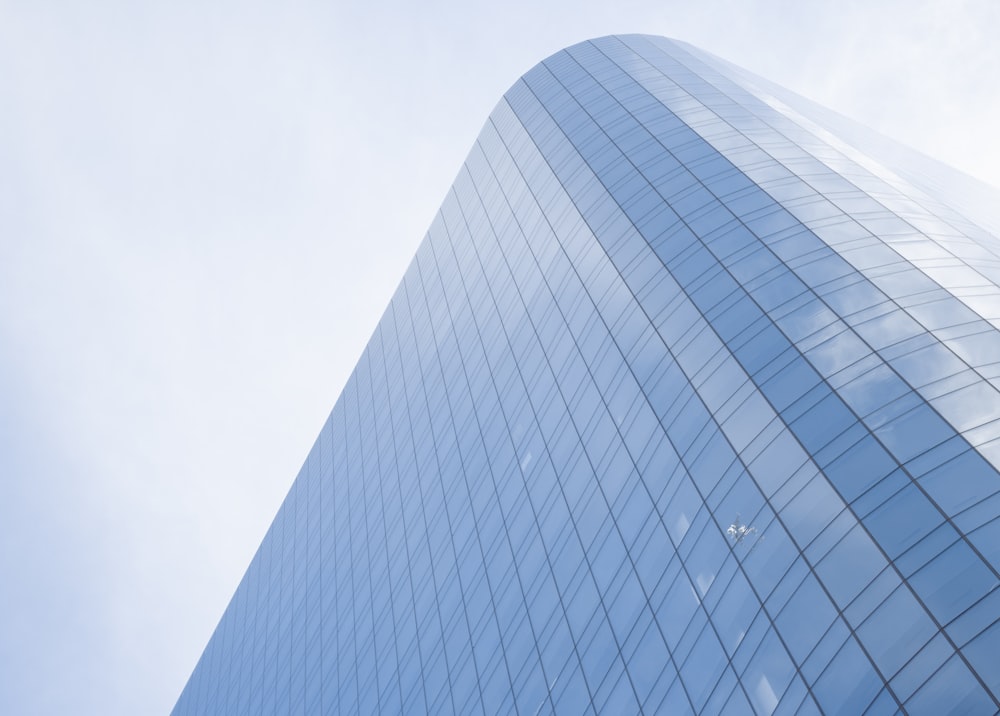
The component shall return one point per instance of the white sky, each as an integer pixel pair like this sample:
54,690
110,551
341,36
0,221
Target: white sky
204,209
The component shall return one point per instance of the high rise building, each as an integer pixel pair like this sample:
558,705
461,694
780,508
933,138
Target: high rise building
687,403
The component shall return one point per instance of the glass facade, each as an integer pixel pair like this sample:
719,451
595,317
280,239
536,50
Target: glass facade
688,403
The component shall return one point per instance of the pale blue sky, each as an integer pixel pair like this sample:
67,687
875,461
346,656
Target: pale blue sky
204,209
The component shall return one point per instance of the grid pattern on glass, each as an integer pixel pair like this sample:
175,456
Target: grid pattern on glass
682,407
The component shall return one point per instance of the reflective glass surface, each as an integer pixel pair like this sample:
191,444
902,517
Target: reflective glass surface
688,403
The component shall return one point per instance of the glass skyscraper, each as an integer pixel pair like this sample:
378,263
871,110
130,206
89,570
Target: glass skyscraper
688,403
